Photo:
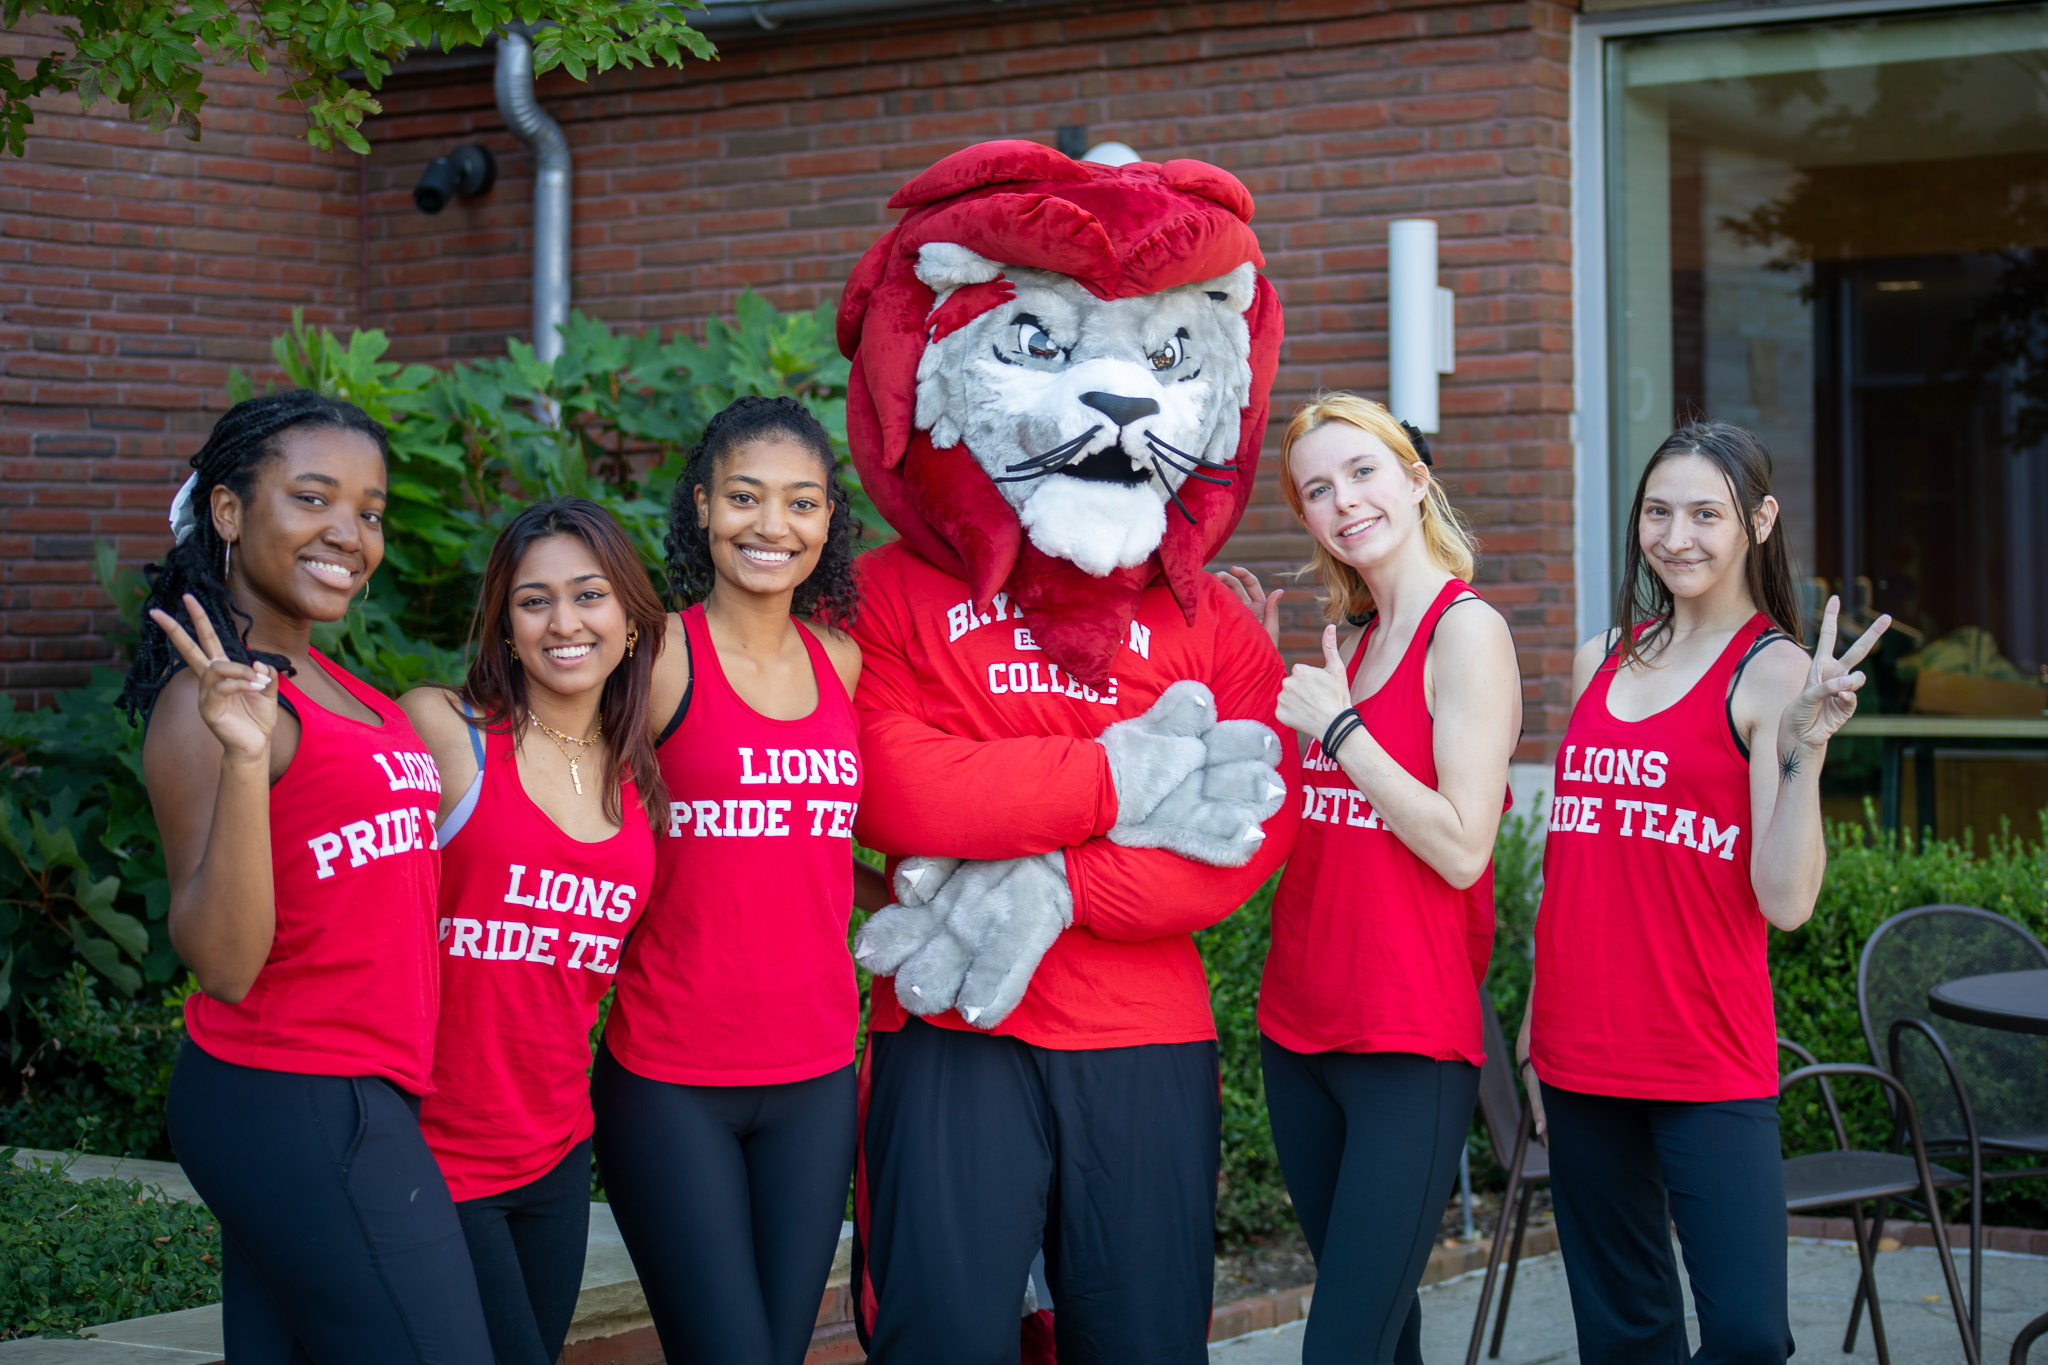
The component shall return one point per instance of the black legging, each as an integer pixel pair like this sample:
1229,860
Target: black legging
1623,1174
729,1199
1369,1144
340,1241
528,1245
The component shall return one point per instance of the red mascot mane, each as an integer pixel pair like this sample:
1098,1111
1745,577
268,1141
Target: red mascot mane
1119,232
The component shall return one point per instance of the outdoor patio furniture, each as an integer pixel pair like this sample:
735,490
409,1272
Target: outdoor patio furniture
1510,1124
1849,1178
1979,1089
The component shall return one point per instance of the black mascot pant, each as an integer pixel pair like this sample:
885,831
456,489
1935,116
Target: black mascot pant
977,1151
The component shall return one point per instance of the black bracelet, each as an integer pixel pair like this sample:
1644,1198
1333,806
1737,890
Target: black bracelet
1340,730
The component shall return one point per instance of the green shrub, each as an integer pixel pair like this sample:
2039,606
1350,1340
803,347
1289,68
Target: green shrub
75,1255
97,1076
1872,876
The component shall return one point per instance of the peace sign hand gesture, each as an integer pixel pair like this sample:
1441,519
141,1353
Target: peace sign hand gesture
1829,698
238,702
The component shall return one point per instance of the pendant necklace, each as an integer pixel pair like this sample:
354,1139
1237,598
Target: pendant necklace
562,741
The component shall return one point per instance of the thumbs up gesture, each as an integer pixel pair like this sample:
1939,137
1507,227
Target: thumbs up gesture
1311,697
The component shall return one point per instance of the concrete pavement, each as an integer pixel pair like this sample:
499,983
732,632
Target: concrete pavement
1919,1325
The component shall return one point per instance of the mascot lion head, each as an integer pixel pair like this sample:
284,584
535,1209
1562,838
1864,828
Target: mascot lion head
1060,378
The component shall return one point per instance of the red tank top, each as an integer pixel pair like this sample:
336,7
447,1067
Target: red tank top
531,926
1373,951
740,973
1651,981
350,987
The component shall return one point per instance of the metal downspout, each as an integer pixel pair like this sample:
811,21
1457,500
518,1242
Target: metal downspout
543,137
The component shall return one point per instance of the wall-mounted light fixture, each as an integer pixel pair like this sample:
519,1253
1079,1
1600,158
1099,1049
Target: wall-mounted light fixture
1421,340
466,171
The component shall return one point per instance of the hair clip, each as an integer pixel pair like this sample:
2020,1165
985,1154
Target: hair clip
183,519
1418,440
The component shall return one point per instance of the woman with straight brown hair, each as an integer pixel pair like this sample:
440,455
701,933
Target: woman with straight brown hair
1383,922
550,791
1685,824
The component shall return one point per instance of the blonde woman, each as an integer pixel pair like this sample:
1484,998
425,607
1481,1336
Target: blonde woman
1369,1010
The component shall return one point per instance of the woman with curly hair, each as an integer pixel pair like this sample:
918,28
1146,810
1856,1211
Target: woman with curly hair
724,1086
296,806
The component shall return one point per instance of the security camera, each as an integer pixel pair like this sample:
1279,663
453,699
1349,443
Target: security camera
465,171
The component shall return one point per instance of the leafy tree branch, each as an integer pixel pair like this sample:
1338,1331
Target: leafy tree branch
149,55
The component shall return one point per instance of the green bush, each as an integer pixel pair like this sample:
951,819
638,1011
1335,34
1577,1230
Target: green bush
78,1254
99,1071
610,419
1871,877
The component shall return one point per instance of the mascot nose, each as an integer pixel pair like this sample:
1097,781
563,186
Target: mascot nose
1120,410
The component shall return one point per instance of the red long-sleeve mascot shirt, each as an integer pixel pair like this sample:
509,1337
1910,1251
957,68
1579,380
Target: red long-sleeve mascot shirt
989,665
978,746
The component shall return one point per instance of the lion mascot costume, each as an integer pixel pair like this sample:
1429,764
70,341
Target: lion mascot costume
1060,376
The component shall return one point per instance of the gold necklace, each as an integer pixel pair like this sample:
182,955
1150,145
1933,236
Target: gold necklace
561,740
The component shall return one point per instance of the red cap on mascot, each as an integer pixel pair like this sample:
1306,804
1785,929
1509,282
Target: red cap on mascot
1119,232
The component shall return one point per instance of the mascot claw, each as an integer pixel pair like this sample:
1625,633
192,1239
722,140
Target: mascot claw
973,945
1187,782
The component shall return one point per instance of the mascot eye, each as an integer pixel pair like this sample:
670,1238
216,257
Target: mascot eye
1032,340
1169,355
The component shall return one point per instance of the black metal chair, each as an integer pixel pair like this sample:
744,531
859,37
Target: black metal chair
1850,1178
1978,1089
1510,1123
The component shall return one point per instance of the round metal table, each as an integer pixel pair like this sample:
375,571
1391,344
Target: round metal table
2018,1003
2014,1001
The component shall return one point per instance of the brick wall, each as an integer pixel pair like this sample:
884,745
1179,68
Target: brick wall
770,168
135,268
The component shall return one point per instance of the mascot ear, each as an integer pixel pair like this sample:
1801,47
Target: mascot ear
1237,289
943,266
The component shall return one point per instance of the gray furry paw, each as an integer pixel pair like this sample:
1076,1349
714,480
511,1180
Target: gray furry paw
1192,784
895,932
974,936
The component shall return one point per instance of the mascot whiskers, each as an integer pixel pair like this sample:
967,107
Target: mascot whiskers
1060,378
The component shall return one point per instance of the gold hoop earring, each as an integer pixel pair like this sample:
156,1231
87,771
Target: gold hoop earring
362,602
632,638
514,648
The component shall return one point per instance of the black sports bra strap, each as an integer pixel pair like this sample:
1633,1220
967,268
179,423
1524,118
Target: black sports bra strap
1756,647
1467,596
682,707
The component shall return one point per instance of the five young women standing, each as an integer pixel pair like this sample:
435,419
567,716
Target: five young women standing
606,770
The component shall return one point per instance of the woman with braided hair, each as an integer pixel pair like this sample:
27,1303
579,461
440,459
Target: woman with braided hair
724,1087
296,807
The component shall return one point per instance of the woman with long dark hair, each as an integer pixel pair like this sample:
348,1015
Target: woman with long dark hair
550,795
1370,1038
296,807
724,1086
1684,825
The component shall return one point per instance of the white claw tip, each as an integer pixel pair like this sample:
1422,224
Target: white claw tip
970,1013
916,875
916,992
1254,835
1275,789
